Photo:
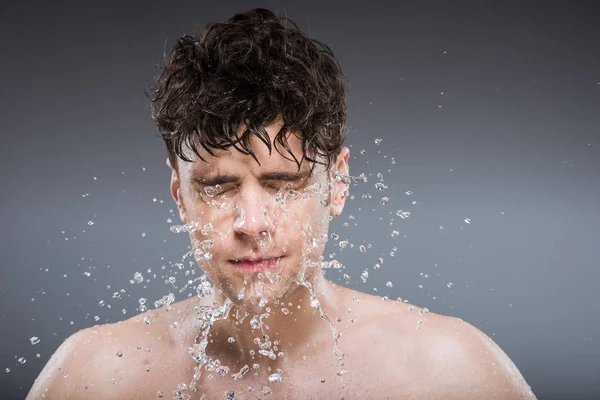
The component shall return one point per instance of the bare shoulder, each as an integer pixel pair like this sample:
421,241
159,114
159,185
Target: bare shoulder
103,361
448,356
464,358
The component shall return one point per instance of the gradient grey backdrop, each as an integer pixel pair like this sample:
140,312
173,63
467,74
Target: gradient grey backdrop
512,144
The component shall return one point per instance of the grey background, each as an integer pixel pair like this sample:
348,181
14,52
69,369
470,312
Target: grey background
514,147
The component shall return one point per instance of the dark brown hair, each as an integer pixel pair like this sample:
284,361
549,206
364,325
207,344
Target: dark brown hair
250,69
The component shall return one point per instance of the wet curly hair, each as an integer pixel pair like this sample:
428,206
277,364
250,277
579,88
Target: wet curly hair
248,71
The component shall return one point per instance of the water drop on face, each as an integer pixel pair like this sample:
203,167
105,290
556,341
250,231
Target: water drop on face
263,302
231,339
160,393
276,377
266,390
255,323
119,354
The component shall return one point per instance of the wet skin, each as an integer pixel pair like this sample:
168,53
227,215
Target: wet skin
392,350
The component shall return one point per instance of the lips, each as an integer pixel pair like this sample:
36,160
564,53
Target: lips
256,264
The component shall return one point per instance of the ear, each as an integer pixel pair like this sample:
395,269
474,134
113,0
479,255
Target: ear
175,189
340,189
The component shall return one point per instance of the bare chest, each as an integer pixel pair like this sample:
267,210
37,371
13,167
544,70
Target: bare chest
360,377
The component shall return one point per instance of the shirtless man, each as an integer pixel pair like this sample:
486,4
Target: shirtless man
253,114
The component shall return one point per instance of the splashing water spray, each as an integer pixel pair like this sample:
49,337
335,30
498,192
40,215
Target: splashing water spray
209,315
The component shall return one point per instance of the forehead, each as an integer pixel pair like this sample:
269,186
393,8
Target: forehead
232,161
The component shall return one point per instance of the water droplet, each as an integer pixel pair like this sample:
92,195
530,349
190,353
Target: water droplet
450,284
231,339
160,393
22,360
363,152
138,277
222,370
255,322
395,234
263,302
389,284
380,186
34,340
362,248
314,303
119,354
285,311
266,390
378,141
468,220
364,276
384,200
276,377
90,222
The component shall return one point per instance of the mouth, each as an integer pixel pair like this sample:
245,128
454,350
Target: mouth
257,264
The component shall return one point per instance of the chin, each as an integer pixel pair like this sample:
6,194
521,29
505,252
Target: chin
259,295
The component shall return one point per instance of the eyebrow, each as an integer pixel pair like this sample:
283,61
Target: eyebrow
267,176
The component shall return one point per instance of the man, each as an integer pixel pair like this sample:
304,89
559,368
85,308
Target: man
253,115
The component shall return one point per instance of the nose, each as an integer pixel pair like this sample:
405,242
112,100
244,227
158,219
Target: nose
253,217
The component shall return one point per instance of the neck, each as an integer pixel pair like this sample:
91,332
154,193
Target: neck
280,332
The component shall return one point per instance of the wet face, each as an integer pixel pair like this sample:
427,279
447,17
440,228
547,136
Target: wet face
257,230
